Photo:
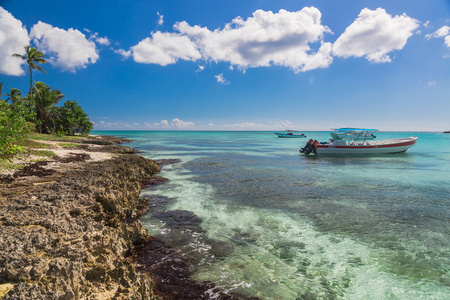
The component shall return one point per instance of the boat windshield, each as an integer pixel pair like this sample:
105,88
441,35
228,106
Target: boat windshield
353,134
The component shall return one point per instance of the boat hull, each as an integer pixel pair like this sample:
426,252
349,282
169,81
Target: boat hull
379,147
285,135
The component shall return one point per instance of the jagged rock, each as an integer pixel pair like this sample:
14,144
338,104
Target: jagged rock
67,239
74,234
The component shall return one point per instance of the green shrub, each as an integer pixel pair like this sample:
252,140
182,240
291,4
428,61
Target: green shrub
70,119
12,128
70,145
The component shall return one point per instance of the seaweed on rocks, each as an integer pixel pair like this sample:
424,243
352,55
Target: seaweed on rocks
67,238
164,162
171,275
35,169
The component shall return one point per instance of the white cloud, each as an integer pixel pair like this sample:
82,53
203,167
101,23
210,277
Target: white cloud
444,31
13,39
265,39
426,24
430,83
245,126
200,68
157,125
103,41
177,123
68,49
441,32
161,19
163,124
125,54
286,123
220,79
374,34
165,48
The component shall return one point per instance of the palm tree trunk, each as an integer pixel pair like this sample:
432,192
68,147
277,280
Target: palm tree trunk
31,78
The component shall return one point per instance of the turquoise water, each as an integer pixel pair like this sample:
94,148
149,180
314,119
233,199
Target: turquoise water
256,218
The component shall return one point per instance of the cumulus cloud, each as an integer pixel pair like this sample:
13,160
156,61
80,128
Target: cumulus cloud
265,39
165,48
13,38
177,123
161,19
245,126
374,34
444,31
103,41
163,124
68,49
125,54
447,41
220,79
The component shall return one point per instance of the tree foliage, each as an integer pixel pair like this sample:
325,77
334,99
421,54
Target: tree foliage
44,99
38,107
12,128
70,119
33,57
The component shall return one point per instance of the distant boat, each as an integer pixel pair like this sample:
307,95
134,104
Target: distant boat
446,131
290,134
351,146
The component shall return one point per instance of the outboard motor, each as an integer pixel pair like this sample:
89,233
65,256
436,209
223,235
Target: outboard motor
310,147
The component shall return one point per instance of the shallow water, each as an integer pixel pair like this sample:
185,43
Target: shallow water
259,219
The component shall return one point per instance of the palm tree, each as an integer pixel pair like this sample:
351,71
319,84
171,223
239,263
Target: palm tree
14,95
33,58
44,100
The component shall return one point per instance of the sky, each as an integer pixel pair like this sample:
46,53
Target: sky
238,65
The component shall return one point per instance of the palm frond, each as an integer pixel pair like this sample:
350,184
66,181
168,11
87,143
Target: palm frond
19,56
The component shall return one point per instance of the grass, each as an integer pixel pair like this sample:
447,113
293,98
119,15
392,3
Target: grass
33,144
45,153
7,165
70,145
53,137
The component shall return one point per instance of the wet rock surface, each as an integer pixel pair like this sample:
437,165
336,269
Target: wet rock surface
64,234
170,273
69,229
104,140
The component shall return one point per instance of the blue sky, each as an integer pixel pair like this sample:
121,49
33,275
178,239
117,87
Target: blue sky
238,65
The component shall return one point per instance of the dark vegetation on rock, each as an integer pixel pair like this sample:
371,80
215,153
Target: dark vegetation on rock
69,229
65,236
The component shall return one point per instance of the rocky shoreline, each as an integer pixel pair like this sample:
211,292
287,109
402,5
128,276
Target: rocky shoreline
69,229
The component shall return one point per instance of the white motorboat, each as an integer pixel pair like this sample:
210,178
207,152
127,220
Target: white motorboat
290,134
353,134
354,146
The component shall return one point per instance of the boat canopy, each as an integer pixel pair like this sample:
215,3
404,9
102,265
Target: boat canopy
355,129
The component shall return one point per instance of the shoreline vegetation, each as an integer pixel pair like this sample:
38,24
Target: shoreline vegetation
70,228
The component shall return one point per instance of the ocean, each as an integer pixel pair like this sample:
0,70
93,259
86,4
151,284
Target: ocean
257,218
